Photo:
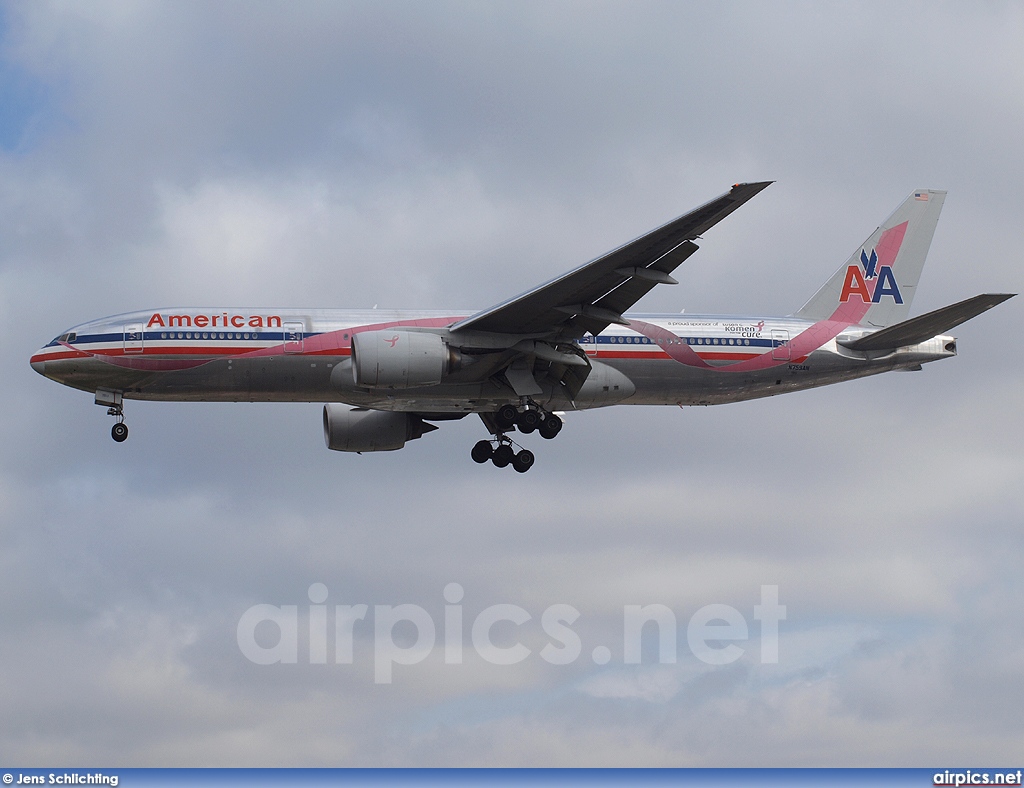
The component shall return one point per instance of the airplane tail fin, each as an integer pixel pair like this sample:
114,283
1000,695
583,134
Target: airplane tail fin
876,285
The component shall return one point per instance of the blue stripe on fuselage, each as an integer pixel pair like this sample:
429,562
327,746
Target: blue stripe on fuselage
272,337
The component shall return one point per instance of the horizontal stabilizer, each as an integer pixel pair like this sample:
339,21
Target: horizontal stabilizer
919,329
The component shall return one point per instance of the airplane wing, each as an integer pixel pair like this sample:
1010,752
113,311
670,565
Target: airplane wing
596,294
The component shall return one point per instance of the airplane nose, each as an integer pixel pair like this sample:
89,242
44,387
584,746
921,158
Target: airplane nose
38,365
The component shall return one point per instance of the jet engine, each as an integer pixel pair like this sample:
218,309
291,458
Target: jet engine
346,429
401,359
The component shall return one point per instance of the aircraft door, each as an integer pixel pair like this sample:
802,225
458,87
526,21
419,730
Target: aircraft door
589,345
293,337
133,338
780,344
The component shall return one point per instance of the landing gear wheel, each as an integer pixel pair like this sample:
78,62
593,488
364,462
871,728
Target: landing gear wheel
506,416
119,432
502,456
482,451
523,461
528,421
550,427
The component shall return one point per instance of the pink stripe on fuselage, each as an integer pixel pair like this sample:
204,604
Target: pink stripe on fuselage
804,343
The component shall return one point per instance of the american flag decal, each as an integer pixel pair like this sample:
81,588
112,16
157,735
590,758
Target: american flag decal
921,196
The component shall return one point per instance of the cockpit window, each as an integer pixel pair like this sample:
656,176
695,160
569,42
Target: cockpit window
69,337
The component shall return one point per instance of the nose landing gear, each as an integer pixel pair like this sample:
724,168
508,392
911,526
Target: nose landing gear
114,403
119,431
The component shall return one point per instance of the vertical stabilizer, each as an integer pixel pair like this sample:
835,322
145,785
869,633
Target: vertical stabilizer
877,284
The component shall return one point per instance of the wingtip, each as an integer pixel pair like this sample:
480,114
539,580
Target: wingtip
744,191
750,188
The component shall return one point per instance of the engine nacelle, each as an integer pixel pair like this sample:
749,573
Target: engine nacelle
401,359
346,429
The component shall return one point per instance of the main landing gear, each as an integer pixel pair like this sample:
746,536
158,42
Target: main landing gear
528,420
501,449
502,454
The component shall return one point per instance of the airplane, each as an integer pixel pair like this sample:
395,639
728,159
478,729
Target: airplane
387,377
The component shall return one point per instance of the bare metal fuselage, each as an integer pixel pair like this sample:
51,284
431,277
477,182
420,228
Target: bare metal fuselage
305,356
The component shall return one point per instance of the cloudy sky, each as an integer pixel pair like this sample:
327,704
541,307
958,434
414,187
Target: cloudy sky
449,155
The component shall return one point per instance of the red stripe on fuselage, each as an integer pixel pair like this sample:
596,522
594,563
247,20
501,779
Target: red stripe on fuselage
661,354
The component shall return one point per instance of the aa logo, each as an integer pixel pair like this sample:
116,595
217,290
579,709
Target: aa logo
870,284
